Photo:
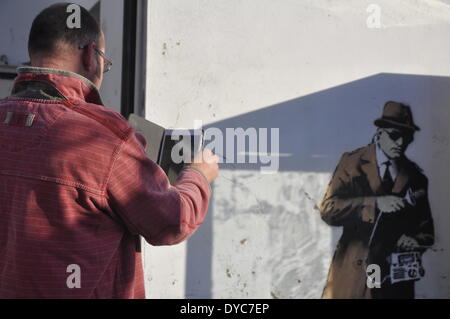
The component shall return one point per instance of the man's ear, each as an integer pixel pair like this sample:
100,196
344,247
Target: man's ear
88,57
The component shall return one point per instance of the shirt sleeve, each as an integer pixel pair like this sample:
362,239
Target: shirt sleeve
138,192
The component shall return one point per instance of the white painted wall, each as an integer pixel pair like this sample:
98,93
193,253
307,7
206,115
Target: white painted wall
313,69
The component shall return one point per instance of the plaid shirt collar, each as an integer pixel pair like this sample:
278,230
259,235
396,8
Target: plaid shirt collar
67,84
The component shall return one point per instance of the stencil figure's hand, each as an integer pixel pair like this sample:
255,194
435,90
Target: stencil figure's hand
390,204
407,243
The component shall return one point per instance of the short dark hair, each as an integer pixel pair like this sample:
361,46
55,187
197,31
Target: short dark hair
50,27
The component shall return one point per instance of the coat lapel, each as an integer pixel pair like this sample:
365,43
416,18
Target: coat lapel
370,168
402,179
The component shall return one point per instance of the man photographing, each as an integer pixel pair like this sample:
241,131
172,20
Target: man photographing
380,199
77,189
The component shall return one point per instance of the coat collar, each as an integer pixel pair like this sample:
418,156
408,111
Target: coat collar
68,84
381,162
370,168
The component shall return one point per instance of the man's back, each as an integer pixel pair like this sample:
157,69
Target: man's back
76,190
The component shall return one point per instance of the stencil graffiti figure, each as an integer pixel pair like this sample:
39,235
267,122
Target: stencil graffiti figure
380,199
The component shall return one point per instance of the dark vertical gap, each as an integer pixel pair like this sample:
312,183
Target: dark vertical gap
8,76
129,57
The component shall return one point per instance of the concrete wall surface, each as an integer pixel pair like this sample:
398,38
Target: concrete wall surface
320,71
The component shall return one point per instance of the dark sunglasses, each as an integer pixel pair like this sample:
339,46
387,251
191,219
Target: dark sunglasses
395,135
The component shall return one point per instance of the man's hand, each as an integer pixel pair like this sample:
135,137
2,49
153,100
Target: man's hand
407,243
390,204
207,163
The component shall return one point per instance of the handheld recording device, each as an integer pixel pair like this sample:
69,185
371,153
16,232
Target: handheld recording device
169,148
178,148
406,266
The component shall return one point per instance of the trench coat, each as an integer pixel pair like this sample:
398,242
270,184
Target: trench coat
350,202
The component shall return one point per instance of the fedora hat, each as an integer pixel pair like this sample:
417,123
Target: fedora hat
396,115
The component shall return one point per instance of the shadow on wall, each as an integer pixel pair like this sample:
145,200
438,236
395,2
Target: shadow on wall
315,130
199,259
